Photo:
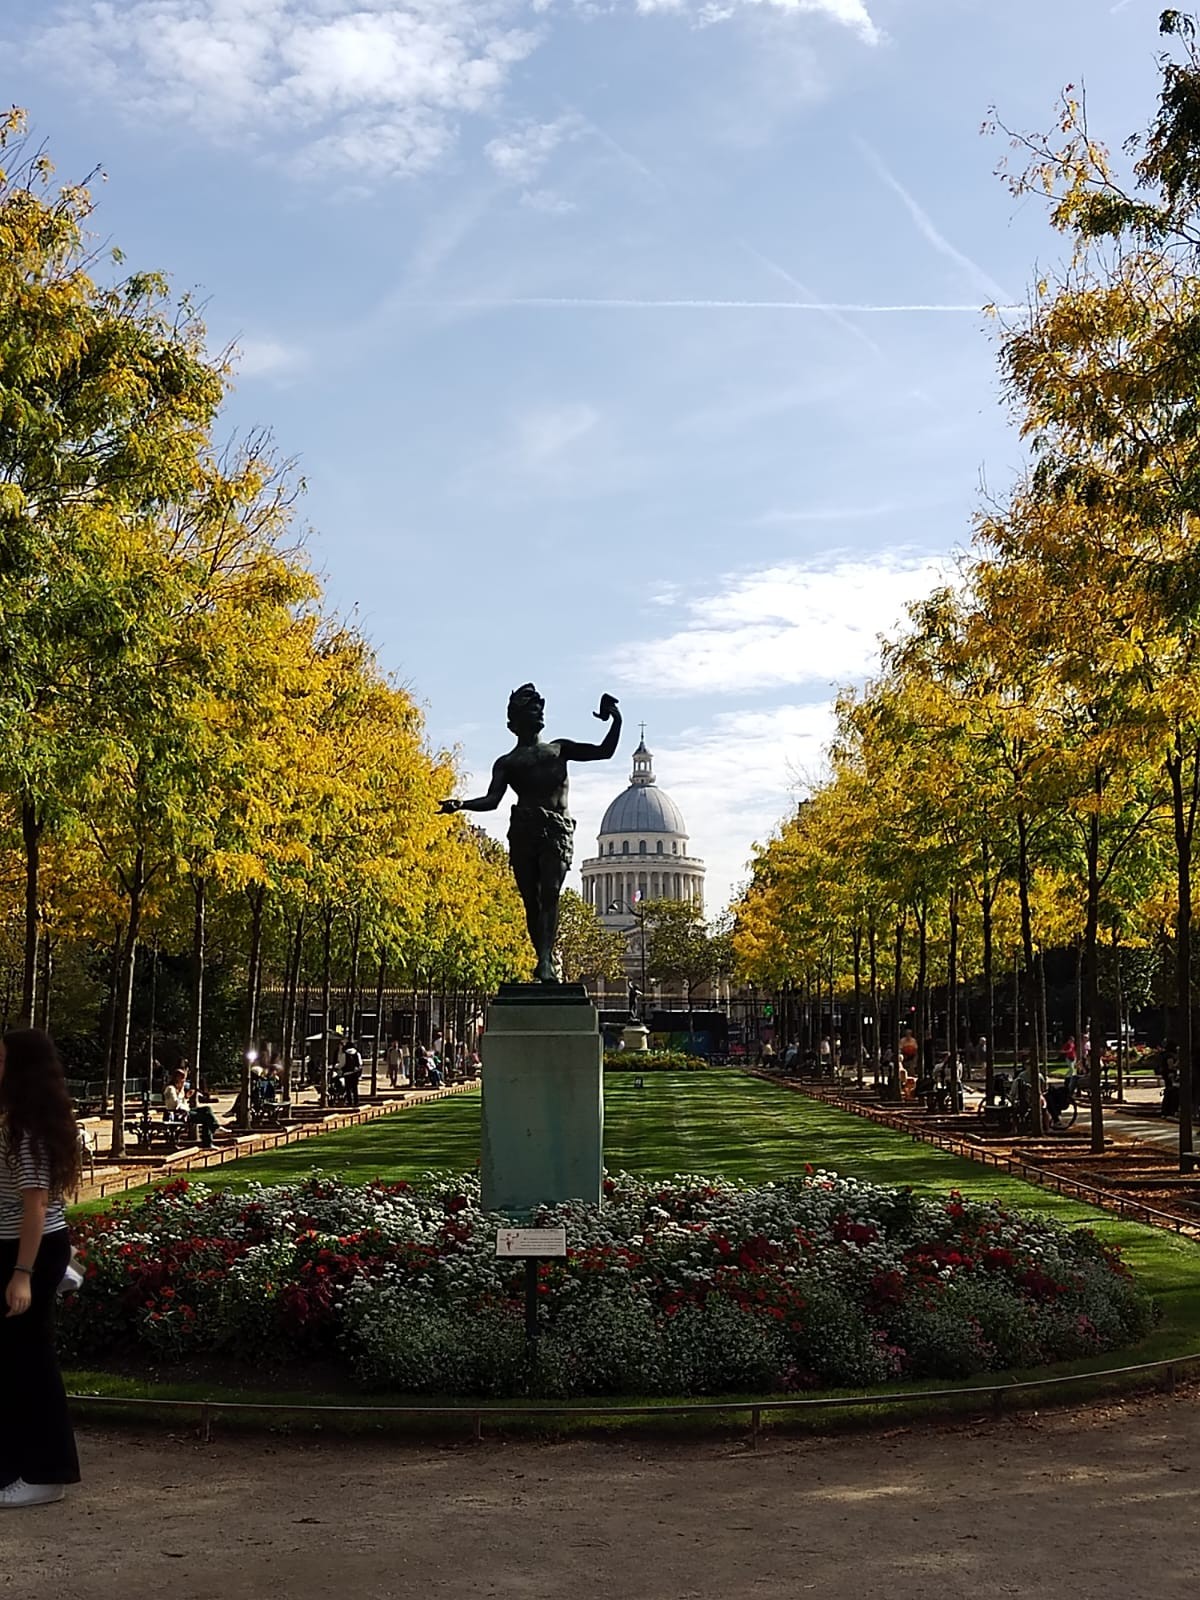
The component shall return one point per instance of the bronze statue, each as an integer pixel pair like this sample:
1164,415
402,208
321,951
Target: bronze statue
541,834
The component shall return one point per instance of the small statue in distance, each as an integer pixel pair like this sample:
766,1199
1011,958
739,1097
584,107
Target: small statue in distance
541,833
635,1003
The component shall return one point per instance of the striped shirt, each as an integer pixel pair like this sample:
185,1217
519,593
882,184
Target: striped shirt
30,1170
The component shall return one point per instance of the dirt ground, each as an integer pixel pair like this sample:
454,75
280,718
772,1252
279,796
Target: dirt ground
1094,1504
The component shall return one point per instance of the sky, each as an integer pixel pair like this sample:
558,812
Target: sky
627,345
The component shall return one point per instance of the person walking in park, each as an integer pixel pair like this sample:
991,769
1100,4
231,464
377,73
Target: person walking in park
39,1166
908,1052
352,1071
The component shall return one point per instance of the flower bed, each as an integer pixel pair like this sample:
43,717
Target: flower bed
691,1287
652,1061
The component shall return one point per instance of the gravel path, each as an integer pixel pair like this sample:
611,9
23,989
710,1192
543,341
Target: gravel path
1099,1504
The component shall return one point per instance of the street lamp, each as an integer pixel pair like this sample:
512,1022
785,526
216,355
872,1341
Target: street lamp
633,907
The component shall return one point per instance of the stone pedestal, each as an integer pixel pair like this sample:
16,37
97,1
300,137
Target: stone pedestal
635,1036
543,1099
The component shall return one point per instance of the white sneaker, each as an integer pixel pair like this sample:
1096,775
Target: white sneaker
21,1493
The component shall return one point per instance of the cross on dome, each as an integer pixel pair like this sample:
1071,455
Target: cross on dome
643,763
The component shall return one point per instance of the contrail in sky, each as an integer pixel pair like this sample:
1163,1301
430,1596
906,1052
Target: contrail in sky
925,225
807,295
582,303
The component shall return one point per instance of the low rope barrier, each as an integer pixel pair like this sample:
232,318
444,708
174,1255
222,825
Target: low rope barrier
209,1410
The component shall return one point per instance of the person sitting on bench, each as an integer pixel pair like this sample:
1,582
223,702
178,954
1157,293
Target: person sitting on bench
201,1118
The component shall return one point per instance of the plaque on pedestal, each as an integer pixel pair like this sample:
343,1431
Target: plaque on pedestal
543,1099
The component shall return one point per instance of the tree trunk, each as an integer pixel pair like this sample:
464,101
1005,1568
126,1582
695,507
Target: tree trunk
47,977
257,896
897,992
952,991
989,991
199,951
859,1044
1079,1001
352,1009
153,1014
110,1017
124,1008
291,1000
923,1020
835,1038
1184,815
1116,944
873,969
378,1024
31,834
326,999
305,1010
1030,984
1091,962
1042,1008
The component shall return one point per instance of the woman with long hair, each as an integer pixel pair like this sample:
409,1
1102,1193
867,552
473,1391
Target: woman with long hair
39,1167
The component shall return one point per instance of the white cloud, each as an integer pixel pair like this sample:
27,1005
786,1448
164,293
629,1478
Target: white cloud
520,155
786,626
547,202
852,14
734,778
371,85
268,358
375,87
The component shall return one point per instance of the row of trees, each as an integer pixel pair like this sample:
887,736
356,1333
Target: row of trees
1024,773
193,750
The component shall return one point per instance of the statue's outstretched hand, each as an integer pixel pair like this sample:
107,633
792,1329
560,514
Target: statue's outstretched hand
608,704
447,808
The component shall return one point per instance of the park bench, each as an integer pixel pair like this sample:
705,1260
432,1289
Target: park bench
169,1129
270,1114
997,1118
87,1094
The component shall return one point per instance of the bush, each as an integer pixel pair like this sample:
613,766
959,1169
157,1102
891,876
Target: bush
652,1061
696,1286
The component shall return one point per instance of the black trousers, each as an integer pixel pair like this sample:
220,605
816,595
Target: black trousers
36,1440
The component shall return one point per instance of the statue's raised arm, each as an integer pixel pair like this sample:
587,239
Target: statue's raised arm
609,712
541,833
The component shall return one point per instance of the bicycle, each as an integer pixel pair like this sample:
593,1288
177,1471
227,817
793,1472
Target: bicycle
1062,1112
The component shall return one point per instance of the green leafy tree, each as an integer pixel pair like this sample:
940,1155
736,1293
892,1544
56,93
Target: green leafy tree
105,396
679,948
586,948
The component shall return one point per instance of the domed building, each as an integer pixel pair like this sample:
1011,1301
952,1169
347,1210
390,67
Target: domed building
642,851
